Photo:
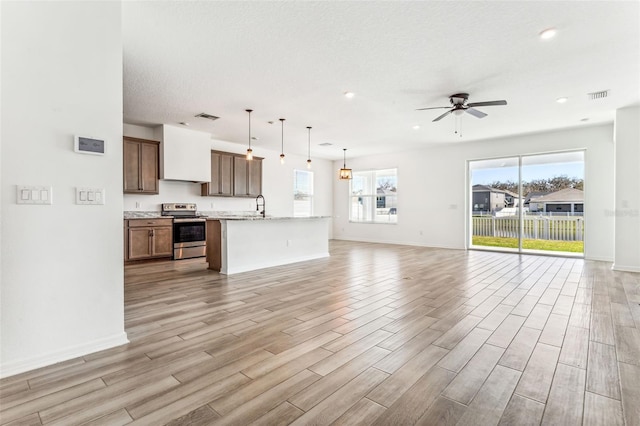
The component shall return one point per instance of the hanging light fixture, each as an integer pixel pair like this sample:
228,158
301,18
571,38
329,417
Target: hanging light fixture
249,150
344,172
309,148
282,141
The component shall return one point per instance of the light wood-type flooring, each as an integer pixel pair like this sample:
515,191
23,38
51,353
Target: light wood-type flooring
375,334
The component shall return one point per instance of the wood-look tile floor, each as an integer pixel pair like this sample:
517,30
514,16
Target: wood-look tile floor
375,334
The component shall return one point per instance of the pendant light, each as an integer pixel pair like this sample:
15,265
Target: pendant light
344,172
309,149
249,150
282,141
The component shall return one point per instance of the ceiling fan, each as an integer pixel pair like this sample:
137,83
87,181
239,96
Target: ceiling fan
460,106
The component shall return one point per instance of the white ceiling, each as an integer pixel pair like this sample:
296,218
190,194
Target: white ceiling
295,60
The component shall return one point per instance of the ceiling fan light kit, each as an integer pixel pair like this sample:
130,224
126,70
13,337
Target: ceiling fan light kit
459,106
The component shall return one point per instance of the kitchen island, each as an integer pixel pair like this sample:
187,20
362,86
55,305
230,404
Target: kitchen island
246,243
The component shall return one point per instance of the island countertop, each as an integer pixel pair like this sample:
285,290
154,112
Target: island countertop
257,217
248,242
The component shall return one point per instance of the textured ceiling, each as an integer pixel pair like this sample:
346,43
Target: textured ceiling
295,60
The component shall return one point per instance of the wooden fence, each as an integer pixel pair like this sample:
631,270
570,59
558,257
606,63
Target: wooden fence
535,227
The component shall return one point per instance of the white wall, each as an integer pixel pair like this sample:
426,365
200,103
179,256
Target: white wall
62,264
627,194
432,196
277,183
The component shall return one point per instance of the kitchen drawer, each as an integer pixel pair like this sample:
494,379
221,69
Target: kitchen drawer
133,223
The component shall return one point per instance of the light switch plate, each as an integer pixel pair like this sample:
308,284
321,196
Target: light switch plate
34,194
85,195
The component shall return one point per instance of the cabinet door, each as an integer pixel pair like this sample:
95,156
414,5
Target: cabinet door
226,174
255,177
139,243
131,162
149,168
240,177
162,241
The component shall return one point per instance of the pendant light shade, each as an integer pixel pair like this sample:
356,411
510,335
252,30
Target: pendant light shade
309,149
249,150
344,172
282,141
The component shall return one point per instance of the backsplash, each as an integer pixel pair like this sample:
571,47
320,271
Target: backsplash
184,192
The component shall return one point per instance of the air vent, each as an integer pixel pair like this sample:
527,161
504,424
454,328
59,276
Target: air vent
207,116
598,95
325,144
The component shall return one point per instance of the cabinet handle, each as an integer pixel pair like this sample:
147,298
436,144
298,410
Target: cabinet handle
151,233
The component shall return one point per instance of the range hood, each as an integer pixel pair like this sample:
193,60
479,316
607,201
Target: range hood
185,155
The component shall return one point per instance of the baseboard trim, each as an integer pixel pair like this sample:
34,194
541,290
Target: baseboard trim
264,265
598,259
21,366
398,243
624,268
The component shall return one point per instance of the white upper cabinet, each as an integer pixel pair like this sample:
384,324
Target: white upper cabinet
185,154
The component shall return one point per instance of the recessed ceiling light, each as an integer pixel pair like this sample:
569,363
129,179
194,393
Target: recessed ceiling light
562,100
416,127
253,138
184,123
548,33
584,119
349,95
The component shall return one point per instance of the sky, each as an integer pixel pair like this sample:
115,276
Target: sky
529,172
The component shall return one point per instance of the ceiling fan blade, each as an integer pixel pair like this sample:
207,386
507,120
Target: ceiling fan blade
476,113
488,103
443,115
422,109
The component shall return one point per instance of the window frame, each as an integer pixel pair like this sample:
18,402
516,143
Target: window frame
374,198
310,196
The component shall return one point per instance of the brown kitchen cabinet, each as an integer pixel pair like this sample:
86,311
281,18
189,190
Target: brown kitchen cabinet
140,165
232,175
247,177
148,238
221,175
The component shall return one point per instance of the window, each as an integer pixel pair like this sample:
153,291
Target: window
302,193
374,196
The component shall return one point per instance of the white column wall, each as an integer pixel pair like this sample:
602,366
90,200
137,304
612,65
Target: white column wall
62,264
433,196
627,193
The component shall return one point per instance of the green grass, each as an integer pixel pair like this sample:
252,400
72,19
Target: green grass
568,246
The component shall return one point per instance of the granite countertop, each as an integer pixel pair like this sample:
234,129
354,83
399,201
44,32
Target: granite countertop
145,215
255,217
214,215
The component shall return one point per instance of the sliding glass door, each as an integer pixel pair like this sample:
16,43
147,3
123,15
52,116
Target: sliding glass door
495,217
528,203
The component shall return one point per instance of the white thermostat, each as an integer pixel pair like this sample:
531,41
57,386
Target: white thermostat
87,145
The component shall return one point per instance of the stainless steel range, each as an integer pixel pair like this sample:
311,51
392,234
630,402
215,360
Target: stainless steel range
189,236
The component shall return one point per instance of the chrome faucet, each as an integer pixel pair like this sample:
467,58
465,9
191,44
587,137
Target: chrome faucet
258,205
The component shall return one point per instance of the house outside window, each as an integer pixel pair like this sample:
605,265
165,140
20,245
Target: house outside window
302,193
374,196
